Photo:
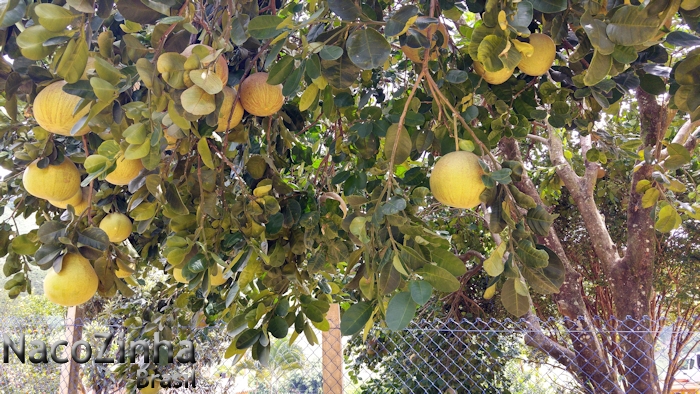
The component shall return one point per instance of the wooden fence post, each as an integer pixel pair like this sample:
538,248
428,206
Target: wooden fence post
333,354
70,371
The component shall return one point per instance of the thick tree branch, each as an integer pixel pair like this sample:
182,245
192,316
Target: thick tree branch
535,338
592,167
686,136
583,198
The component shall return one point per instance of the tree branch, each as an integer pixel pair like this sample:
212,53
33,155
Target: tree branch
535,338
592,167
583,198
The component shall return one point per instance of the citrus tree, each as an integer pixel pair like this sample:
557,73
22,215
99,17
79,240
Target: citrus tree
273,156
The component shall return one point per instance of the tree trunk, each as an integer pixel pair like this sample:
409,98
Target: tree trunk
632,275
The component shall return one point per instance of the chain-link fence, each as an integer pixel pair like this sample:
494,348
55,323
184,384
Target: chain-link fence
479,356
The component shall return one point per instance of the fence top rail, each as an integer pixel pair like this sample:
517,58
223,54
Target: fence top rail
616,325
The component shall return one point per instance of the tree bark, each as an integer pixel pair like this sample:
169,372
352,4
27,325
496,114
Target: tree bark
632,275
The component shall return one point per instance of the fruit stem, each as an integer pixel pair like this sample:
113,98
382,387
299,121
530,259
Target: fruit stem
92,183
454,124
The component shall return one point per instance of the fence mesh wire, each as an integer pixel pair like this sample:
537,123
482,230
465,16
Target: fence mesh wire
480,356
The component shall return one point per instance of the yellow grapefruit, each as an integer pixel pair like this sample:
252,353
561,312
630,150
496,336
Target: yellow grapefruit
542,58
220,67
82,206
456,180
228,111
260,98
54,183
218,278
117,226
415,54
494,78
53,110
74,285
125,172
74,201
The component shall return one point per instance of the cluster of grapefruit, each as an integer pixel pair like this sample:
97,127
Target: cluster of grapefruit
59,182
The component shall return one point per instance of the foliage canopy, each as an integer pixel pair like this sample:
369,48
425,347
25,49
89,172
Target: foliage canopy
329,198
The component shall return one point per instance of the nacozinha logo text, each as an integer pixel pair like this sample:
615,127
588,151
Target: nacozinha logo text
40,352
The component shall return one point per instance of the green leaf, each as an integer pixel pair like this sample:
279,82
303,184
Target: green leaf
539,220
494,264
404,144
85,6
345,9
668,219
501,176
331,52
624,55
456,76
104,90
308,98
47,254
291,85
630,26
264,26
96,163
367,48
447,260
93,237
489,52
31,42
421,291
278,327
652,84
207,80
205,153
549,6
137,133
555,270
355,318
340,73
682,39
539,282
24,245
595,30
12,13
53,17
313,65
514,303
198,102
400,311
399,21
50,232
598,69
678,156
137,151
280,71
441,279
651,196
393,206
530,256
248,338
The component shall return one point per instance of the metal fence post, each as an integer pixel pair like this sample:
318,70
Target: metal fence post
70,371
333,354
